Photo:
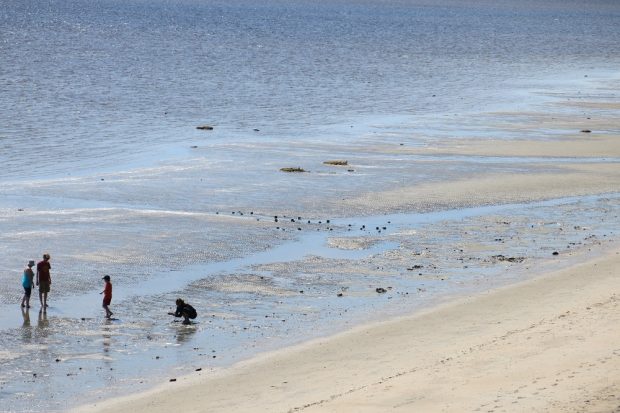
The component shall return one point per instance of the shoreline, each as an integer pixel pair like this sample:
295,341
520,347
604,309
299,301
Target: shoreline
115,352
549,343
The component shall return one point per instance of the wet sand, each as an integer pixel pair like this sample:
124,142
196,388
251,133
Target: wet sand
545,344
549,344
568,154
429,222
573,180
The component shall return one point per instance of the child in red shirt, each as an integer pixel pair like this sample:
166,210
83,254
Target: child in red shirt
107,296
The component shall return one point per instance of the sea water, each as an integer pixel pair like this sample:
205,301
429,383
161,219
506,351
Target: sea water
108,85
101,165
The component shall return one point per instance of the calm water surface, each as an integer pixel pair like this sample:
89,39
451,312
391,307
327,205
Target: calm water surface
113,84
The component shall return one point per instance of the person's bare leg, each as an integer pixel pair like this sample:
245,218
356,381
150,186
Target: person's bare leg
108,313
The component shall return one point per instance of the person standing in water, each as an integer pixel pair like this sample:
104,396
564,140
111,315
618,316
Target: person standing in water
27,283
44,279
107,296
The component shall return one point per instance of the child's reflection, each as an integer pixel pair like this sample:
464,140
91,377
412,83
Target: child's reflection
26,327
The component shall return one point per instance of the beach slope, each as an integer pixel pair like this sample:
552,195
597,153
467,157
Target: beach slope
551,344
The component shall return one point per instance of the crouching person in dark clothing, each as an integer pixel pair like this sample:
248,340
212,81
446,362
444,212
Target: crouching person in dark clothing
184,310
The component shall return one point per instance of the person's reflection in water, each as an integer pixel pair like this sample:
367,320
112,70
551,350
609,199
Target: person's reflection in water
107,337
26,327
185,333
42,325
107,359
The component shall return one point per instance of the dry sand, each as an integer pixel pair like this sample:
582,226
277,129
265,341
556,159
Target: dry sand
548,344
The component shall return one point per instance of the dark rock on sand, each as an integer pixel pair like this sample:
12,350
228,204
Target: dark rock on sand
204,127
380,290
292,170
337,162
509,259
586,131
556,253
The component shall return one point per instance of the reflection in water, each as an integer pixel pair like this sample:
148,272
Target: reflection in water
42,325
185,332
107,337
26,327
107,341
43,322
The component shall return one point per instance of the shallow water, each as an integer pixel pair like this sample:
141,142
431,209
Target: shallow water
96,86
270,299
102,166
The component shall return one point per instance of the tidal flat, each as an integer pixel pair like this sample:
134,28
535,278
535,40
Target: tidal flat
271,259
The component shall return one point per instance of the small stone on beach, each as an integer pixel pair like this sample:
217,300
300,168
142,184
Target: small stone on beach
338,162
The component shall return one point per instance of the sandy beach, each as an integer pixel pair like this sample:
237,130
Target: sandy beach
549,344
502,293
